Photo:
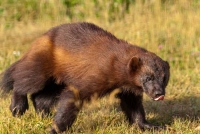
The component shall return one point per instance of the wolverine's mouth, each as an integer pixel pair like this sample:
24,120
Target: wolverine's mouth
161,97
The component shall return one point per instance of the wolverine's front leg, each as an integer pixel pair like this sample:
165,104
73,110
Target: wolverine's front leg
132,106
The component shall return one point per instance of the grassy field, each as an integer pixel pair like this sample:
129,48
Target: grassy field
169,28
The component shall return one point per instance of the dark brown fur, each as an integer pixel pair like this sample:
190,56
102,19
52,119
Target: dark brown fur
72,62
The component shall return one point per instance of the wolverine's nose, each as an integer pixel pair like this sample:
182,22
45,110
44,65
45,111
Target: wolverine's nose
159,95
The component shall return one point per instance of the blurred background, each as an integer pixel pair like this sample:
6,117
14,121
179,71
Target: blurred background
169,28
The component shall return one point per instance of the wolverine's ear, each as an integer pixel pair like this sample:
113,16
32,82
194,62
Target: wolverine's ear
134,64
167,64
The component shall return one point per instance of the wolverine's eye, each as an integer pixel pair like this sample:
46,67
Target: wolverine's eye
149,78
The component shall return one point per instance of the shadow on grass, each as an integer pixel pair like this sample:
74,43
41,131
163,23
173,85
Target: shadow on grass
158,113
164,112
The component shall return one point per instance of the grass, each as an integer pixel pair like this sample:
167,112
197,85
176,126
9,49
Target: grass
168,28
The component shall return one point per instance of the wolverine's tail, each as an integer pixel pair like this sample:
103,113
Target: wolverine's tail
6,80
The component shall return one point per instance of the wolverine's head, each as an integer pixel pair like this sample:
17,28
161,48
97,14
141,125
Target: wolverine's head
150,73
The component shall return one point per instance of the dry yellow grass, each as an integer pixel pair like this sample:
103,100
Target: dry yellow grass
171,30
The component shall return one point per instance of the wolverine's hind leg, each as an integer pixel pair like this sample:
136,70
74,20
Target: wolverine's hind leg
19,104
19,101
31,73
46,98
67,110
27,80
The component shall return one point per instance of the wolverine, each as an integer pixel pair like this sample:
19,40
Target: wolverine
70,63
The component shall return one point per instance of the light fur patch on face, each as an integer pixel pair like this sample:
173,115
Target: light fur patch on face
148,69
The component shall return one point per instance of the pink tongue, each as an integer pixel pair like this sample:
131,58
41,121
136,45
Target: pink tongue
159,98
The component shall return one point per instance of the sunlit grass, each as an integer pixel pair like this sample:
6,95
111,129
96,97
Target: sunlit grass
170,30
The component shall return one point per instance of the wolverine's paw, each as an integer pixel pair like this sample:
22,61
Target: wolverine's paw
18,110
53,131
147,126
